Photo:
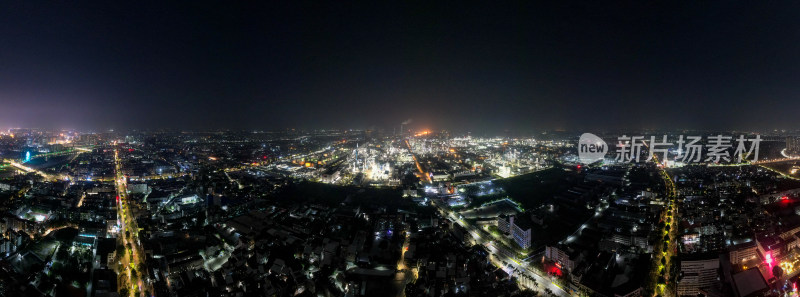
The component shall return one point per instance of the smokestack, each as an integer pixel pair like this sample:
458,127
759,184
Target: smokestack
402,125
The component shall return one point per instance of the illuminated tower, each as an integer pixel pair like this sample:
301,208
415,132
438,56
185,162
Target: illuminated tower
793,145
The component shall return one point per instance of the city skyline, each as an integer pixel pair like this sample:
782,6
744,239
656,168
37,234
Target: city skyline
406,149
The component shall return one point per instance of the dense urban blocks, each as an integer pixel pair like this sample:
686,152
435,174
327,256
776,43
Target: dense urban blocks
168,214
396,148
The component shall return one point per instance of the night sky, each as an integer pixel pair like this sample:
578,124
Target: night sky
483,68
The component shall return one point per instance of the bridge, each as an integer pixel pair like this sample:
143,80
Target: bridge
785,157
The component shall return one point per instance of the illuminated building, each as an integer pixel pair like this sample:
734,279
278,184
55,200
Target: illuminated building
743,252
793,145
699,272
519,230
789,232
771,247
563,256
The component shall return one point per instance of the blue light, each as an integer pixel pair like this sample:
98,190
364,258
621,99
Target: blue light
27,156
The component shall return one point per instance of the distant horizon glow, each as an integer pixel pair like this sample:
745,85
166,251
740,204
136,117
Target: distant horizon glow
486,69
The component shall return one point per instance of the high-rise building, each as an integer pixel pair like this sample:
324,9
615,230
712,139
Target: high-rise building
518,228
561,255
698,272
793,145
743,252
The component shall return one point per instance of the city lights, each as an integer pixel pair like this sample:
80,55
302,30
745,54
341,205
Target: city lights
536,148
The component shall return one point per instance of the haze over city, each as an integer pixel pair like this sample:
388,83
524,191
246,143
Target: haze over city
482,68
406,149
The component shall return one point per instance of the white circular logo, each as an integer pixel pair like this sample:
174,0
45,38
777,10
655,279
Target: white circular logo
591,148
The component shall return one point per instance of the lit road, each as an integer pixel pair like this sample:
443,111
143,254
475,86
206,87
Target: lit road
778,172
497,258
422,173
407,274
670,214
19,164
133,257
786,157
69,151
29,169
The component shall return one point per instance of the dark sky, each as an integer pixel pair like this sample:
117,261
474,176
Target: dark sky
132,64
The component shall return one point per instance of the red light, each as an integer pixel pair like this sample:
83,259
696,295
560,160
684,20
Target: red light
579,166
130,150
554,270
784,197
769,259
